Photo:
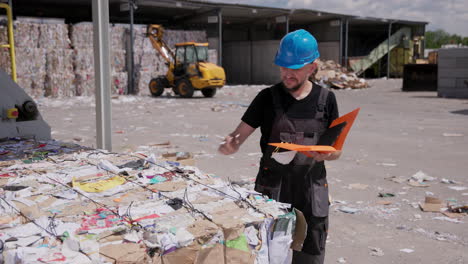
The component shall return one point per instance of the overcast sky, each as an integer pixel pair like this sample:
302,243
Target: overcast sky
449,15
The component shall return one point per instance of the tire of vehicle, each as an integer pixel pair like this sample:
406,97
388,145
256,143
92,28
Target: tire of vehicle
156,86
185,88
209,92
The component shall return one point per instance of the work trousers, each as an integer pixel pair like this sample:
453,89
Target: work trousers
313,251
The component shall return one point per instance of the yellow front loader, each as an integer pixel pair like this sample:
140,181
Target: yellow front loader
188,68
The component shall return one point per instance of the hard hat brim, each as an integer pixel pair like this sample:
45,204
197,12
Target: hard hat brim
292,66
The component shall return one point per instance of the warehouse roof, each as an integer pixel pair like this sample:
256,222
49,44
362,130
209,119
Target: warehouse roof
186,11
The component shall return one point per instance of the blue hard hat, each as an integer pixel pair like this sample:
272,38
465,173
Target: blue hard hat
297,49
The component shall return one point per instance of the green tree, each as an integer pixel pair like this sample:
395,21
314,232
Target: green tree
435,39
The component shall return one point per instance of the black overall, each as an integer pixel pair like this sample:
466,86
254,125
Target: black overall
298,182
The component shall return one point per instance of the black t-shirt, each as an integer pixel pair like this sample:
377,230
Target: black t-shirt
261,112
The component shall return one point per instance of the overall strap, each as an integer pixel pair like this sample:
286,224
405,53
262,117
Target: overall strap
322,102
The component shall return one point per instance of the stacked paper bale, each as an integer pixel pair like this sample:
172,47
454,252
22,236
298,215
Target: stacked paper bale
119,73
60,76
30,59
82,41
332,74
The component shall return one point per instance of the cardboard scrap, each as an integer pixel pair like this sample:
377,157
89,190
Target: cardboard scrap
169,186
211,255
184,158
124,253
358,186
182,255
431,204
300,231
332,74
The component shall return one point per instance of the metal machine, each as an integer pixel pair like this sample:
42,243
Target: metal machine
188,69
19,116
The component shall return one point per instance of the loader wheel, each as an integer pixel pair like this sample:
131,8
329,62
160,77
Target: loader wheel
156,86
185,88
209,92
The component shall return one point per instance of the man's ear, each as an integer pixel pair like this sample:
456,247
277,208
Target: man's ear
313,69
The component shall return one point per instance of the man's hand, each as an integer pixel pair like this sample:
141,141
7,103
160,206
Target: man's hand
230,145
325,156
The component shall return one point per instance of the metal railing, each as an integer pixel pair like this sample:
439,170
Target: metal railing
11,41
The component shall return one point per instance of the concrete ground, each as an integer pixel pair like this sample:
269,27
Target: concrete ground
396,134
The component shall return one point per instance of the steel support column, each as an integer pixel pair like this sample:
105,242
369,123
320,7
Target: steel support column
345,64
388,49
102,73
220,38
131,70
341,42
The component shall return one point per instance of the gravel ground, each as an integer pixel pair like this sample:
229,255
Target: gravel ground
396,134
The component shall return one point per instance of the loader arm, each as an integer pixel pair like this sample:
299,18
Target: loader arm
155,34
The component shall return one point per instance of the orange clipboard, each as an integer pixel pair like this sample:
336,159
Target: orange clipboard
301,148
348,118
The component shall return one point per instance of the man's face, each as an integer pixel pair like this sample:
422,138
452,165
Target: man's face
294,79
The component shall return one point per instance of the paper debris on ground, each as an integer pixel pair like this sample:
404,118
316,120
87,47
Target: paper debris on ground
452,135
348,210
332,74
431,204
375,251
358,186
420,177
407,250
458,188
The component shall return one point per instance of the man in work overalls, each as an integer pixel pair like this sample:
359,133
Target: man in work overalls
294,111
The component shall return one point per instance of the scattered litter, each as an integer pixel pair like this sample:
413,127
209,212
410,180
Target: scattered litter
452,135
431,204
447,181
348,210
417,184
386,195
407,250
384,202
341,260
417,216
387,164
421,177
459,209
375,251
332,74
397,179
458,188
445,218
453,215
358,186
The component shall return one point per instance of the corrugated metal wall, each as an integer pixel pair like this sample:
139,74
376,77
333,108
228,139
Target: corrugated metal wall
453,73
236,62
251,62
329,50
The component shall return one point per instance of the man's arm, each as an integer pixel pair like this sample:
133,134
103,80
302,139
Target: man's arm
234,140
326,156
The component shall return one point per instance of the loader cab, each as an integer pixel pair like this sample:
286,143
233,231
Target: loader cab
188,55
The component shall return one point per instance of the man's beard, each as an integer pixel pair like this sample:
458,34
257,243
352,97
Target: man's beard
293,89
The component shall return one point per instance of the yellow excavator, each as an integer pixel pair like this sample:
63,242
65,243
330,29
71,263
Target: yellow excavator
188,68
